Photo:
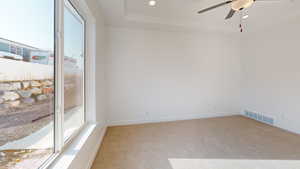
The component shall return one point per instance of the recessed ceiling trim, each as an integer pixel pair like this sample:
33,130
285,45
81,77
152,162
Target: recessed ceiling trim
166,14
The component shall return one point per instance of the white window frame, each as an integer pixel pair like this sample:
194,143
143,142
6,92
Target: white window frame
90,94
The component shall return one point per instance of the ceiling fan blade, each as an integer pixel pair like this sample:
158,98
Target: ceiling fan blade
215,6
230,14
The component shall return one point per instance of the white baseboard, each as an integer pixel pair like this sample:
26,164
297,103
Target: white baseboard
170,118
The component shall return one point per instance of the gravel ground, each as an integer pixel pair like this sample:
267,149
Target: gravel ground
21,122
23,159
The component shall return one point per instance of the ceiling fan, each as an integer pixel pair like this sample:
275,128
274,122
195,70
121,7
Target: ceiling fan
236,5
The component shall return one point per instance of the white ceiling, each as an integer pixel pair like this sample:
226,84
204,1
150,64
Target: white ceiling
183,14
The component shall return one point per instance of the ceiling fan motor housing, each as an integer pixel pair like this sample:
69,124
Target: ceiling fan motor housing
241,4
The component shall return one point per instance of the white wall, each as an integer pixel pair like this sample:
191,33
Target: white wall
271,72
156,75
101,42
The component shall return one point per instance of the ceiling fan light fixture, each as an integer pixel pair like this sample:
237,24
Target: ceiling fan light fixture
248,4
241,4
152,3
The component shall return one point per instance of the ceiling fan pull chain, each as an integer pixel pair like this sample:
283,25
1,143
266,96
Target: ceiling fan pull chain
241,21
241,27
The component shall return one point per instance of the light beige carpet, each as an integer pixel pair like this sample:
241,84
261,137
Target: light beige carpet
233,142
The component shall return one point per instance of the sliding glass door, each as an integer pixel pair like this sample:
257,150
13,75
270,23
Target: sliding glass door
42,91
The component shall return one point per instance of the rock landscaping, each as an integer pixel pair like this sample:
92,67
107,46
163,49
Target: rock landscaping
15,94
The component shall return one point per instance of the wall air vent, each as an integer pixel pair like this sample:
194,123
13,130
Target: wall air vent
259,117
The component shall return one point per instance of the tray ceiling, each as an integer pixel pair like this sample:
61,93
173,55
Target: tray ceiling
183,14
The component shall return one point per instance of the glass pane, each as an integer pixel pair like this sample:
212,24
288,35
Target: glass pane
73,71
26,83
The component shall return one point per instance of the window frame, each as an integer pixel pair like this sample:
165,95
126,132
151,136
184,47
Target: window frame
89,51
60,142
89,75
69,4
